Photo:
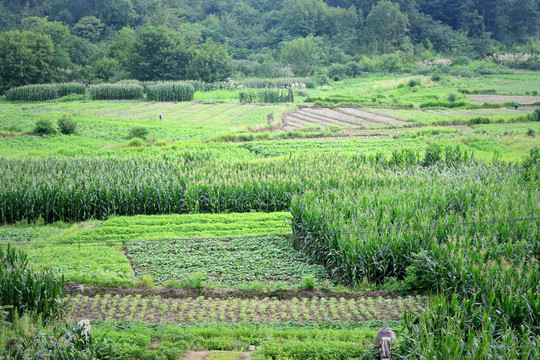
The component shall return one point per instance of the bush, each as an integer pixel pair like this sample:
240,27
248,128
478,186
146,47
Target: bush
414,82
194,281
308,282
138,132
67,125
145,282
44,127
535,116
136,142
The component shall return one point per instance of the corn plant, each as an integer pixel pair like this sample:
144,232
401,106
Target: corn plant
170,91
44,92
116,92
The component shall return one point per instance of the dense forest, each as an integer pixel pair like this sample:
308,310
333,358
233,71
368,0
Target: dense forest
111,40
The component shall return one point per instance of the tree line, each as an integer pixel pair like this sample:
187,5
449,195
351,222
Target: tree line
106,40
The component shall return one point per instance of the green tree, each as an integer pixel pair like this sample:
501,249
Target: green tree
159,54
211,62
105,68
89,27
302,54
386,27
117,13
122,46
25,58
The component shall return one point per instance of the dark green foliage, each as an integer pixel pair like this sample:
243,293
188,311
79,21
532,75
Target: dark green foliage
138,132
159,54
44,127
25,58
268,96
535,116
67,341
67,125
44,92
170,91
116,92
210,62
28,290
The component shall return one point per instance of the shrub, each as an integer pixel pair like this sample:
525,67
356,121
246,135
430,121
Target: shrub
531,132
436,77
451,97
535,116
194,281
308,282
414,82
67,125
145,282
44,127
136,142
138,132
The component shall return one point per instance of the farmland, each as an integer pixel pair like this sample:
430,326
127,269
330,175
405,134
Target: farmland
221,227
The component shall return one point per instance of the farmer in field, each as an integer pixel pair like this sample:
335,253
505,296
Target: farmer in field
161,115
515,105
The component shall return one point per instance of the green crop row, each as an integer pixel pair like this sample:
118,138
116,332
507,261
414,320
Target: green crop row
116,92
170,91
266,96
78,189
44,92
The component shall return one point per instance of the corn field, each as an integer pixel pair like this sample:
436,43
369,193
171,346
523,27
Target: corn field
116,92
266,96
44,92
170,91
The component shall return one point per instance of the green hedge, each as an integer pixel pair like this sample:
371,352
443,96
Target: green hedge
170,91
116,92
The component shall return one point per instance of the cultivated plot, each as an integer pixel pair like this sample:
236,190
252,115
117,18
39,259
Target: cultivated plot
233,310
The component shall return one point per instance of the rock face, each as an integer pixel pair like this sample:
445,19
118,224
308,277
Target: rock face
384,332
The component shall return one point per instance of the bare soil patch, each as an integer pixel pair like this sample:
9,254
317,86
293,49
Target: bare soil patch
234,310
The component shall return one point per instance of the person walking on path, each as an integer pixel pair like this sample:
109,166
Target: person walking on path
161,115
515,105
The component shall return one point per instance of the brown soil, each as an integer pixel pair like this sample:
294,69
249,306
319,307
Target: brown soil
234,310
497,99
92,290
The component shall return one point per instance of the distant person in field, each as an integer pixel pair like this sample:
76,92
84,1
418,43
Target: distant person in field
515,105
161,115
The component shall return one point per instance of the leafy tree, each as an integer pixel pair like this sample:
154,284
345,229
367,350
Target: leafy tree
386,27
105,68
89,27
211,62
302,54
117,13
159,54
25,58
122,46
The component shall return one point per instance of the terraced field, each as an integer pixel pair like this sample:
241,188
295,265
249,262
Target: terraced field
498,99
343,117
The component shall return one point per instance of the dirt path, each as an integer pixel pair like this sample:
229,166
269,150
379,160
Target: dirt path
497,99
